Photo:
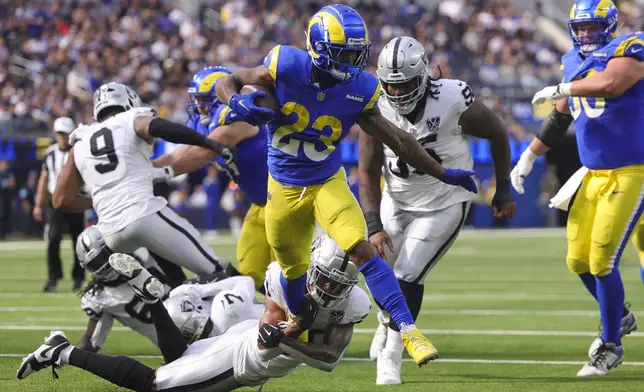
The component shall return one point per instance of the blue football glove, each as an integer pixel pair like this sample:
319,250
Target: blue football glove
461,178
244,106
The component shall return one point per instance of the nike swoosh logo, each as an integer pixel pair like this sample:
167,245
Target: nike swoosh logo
268,333
616,192
43,354
244,106
635,51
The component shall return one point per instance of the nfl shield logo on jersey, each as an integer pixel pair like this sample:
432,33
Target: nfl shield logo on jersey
433,124
336,316
187,306
321,96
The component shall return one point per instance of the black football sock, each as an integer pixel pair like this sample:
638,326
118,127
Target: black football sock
122,371
169,338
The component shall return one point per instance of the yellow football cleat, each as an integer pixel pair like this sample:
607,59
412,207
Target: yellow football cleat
418,346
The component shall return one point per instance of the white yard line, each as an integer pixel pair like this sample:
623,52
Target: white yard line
447,360
227,239
472,332
38,309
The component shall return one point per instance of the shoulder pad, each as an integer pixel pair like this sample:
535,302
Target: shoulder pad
630,45
357,308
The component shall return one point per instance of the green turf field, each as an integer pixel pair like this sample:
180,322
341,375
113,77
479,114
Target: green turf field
503,310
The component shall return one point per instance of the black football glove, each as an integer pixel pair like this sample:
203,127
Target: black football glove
270,335
307,313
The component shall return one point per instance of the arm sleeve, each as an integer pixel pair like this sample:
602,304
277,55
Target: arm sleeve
271,61
631,47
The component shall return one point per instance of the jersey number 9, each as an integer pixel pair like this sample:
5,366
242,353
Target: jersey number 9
311,149
106,150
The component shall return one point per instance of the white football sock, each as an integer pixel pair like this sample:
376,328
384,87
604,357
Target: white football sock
394,341
63,357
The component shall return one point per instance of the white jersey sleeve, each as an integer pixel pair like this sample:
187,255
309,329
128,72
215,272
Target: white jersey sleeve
357,308
273,287
103,328
91,306
114,163
439,132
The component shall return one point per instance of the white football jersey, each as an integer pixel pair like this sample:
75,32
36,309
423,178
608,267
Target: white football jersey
250,369
118,303
439,132
115,165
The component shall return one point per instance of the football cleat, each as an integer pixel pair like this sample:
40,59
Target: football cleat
418,346
379,338
46,355
606,357
388,367
627,325
145,286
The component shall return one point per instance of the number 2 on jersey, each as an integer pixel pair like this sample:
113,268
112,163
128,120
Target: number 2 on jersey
106,150
292,145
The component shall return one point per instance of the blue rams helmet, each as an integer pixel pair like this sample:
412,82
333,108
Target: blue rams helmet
201,90
338,41
592,24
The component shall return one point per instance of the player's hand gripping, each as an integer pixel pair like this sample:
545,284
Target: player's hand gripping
522,169
307,313
461,178
503,205
552,93
381,239
226,151
270,335
244,106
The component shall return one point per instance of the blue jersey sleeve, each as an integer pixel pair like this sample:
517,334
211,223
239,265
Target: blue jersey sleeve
272,60
194,124
632,46
222,116
372,90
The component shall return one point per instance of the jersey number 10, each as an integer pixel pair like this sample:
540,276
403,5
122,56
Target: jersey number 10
107,150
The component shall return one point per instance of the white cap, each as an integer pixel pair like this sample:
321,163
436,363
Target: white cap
64,125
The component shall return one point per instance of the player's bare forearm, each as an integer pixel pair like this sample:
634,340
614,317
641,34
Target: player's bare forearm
370,161
230,85
42,185
479,121
66,194
621,74
194,158
401,143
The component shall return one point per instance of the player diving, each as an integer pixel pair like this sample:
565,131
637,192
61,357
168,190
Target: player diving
418,217
249,170
321,93
601,89
247,354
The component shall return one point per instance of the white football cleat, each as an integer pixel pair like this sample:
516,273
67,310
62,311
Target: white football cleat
388,367
627,325
145,286
379,338
606,357
46,355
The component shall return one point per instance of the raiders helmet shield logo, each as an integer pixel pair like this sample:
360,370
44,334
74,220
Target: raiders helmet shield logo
336,316
187,306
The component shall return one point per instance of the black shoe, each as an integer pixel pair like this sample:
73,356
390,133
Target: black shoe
50,287
78,284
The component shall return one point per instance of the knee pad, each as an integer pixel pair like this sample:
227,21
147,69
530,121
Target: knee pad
577,266
413,293
601,269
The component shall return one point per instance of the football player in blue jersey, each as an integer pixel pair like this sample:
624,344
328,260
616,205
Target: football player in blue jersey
212,118
321,93
601,92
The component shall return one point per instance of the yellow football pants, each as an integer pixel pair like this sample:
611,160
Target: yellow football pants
291,213
603,216
253,251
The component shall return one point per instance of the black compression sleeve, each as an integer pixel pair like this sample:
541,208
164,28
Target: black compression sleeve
554,127
374,224
175,133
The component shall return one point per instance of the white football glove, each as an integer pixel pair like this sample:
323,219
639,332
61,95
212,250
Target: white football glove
552,93
522,169
165,173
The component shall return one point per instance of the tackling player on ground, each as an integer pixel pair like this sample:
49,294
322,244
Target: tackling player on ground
216,121
421,216
601,92
322,92
249,353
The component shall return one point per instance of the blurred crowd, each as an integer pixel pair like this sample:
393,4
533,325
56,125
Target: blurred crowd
54,53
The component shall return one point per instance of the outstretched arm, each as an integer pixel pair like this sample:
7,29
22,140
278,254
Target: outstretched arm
479,121
86,340
401,143
67,187
324,356
230,85
621,74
